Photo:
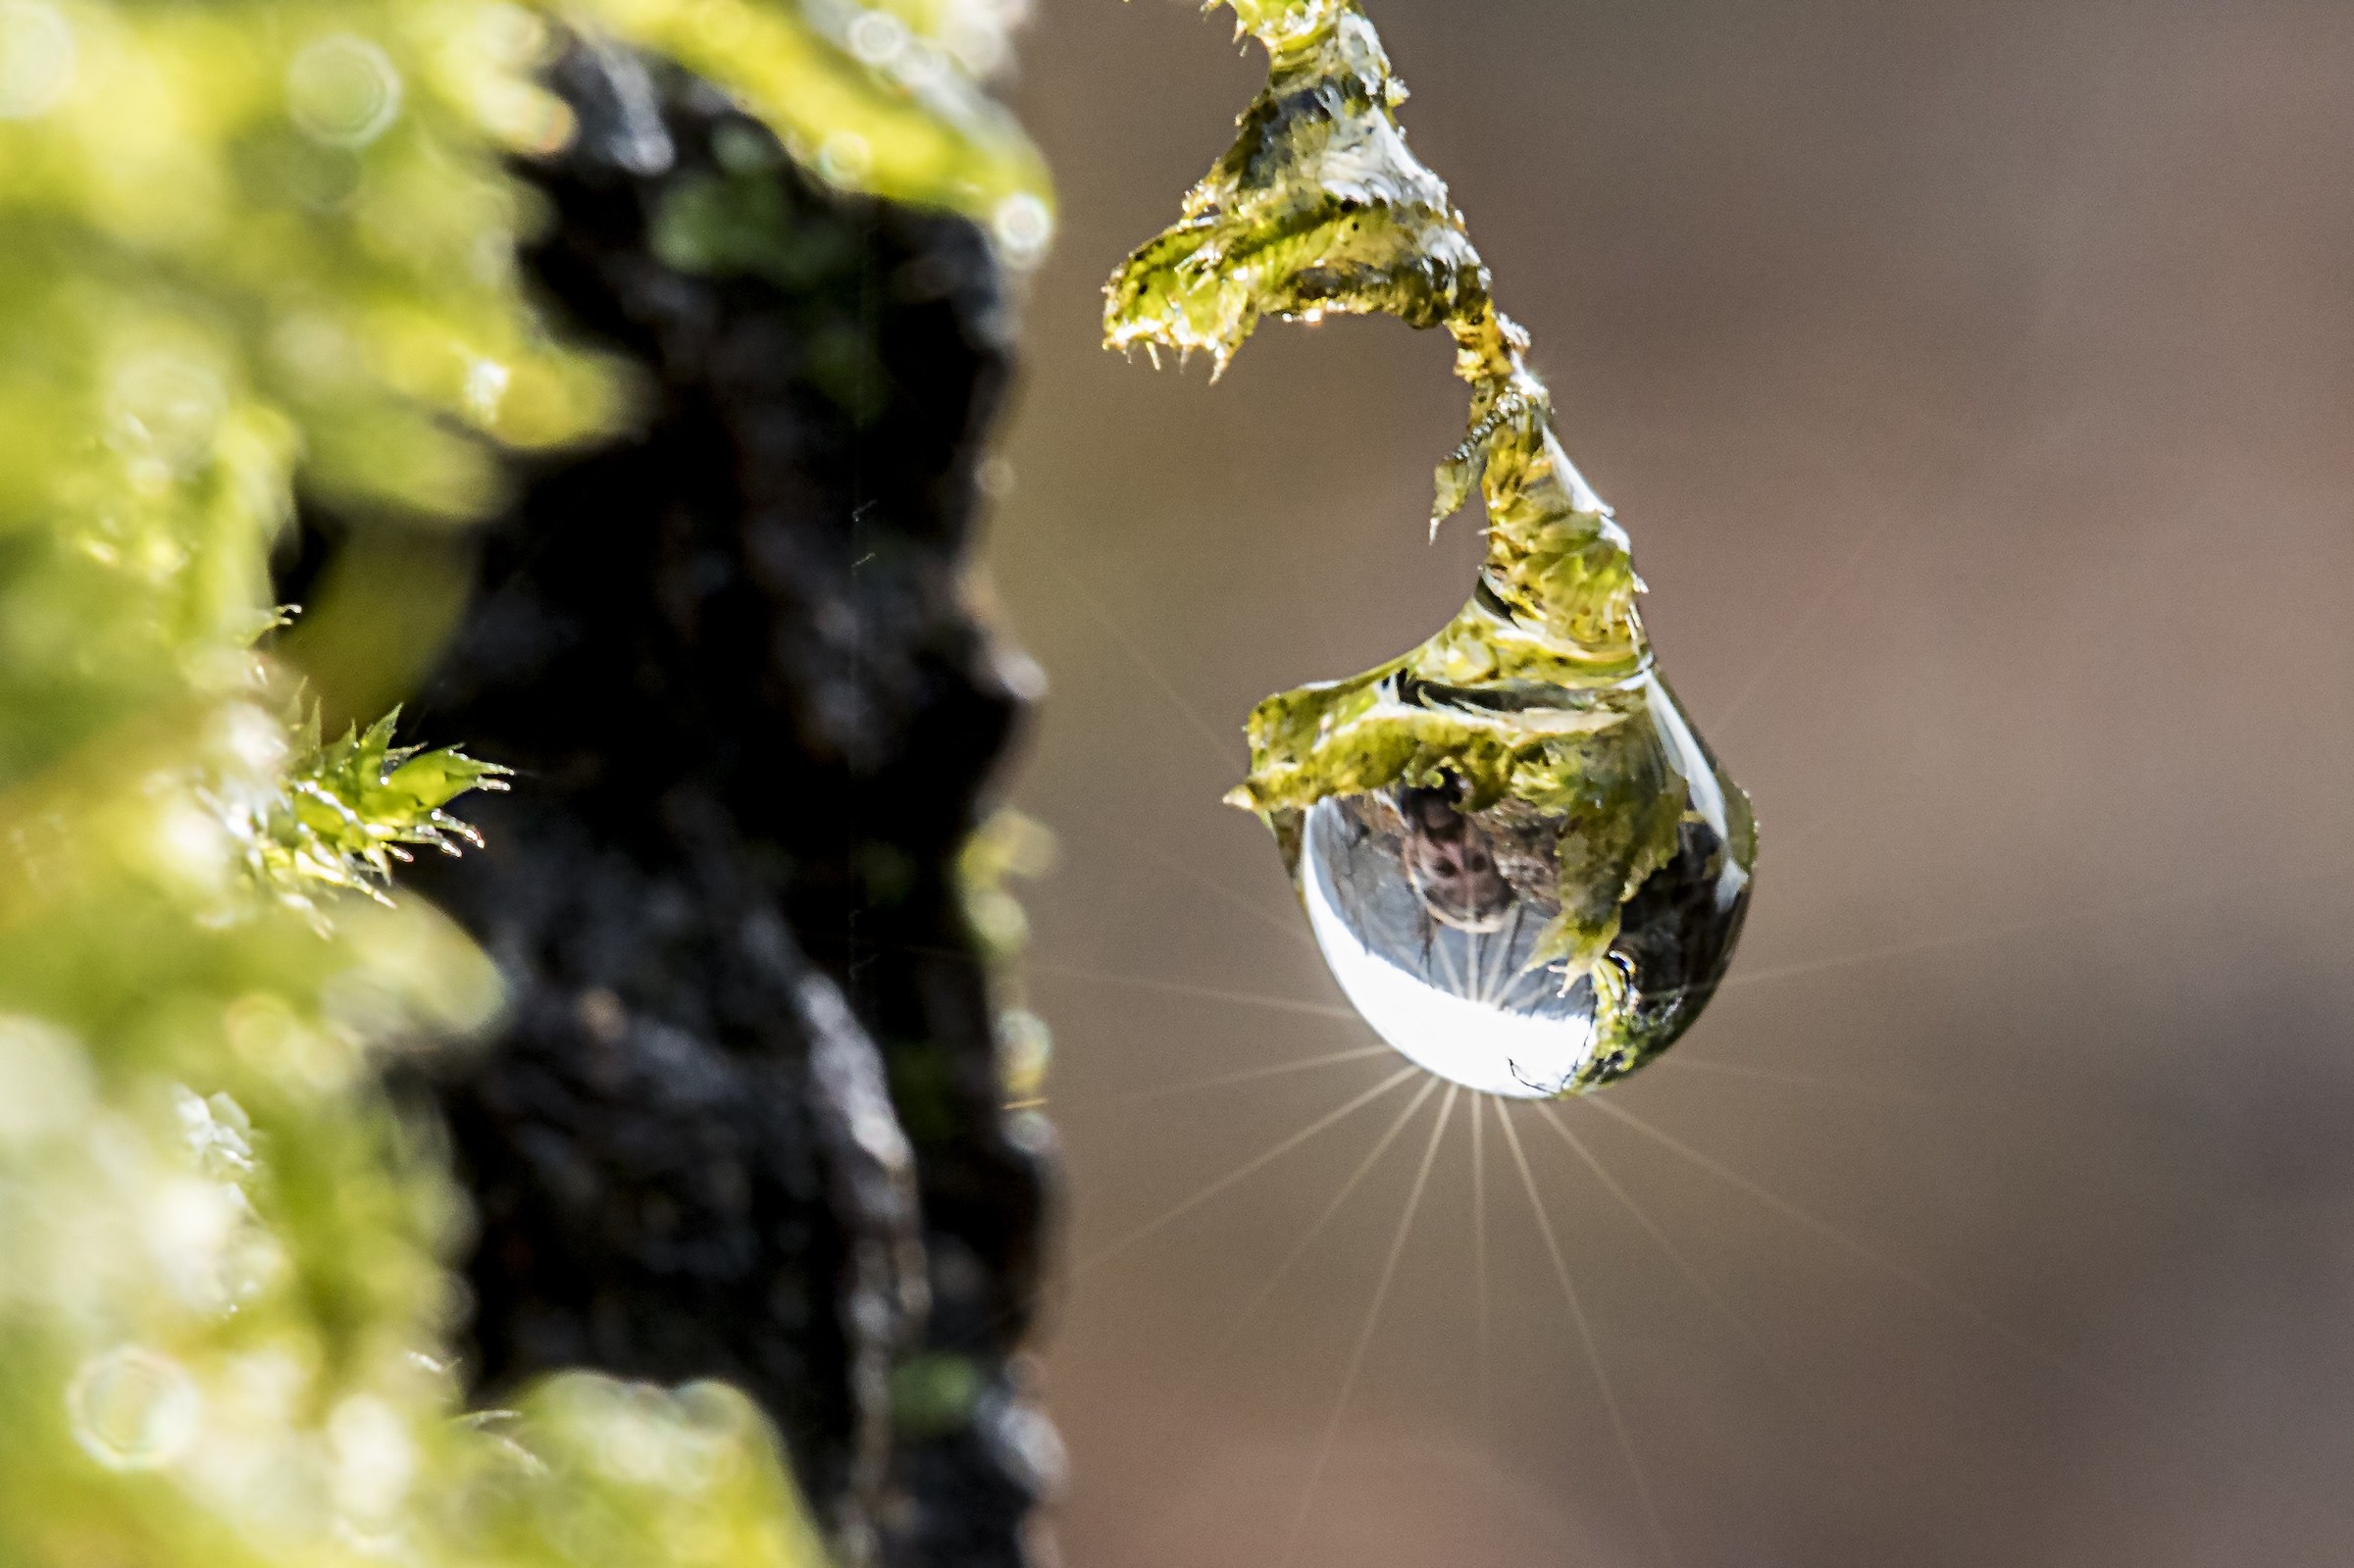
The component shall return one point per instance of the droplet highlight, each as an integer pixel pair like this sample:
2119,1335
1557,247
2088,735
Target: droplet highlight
36,58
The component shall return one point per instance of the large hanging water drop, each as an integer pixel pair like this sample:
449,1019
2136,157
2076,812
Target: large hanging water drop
1442,923
1523,865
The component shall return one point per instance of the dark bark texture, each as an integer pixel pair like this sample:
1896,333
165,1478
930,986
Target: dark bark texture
744,1120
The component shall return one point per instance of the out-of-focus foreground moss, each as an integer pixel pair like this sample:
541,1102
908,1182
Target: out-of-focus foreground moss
246,247
1541,690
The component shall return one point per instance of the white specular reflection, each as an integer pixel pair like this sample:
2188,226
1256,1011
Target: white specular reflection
1448,1000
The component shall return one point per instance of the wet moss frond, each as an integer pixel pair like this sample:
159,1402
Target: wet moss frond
1322,208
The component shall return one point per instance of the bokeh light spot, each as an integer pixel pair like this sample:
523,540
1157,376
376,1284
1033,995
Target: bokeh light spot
343,90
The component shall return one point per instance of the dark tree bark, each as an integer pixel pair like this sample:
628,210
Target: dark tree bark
744,1118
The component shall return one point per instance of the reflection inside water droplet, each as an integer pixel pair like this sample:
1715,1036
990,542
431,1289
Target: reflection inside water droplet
132,1410
1433,919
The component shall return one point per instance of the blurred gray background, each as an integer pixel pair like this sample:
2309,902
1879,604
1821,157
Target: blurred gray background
1974,380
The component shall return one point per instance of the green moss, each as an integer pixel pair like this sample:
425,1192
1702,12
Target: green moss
935,1393
738,224
1536,693
927,1088
245,247
1318,207
351,807
885,98
1322,208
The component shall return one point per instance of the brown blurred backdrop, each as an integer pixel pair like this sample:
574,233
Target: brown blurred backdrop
1974,380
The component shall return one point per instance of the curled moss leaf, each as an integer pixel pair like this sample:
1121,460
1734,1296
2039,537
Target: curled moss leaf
1318,207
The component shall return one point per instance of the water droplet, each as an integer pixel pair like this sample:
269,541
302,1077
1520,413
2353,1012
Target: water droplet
994,478
1023,225
314,350
134,1409
844,157
343,90
1436,920
877,38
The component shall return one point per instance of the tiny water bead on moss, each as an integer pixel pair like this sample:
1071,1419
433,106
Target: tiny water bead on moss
1521,861
134,1409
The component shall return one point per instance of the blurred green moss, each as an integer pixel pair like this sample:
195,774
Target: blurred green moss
935,1393
251,248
